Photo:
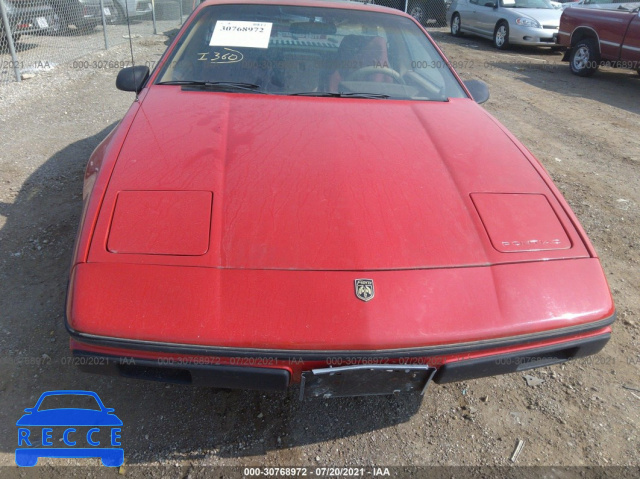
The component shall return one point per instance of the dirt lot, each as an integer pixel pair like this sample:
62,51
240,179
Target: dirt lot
43,51
584,413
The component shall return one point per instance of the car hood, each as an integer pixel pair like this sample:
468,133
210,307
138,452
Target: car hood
319,183
546,16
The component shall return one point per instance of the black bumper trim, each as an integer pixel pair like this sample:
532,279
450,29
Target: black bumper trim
273,379
519,361
209,375
322,355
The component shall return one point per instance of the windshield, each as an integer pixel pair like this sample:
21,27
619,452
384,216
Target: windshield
546,4
293,50
67,401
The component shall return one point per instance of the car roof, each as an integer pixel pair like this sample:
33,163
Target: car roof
71,392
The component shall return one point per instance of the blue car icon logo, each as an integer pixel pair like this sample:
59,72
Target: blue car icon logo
88,429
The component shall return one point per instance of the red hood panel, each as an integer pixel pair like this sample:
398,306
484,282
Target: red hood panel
327,184
319,310
520,222
182,217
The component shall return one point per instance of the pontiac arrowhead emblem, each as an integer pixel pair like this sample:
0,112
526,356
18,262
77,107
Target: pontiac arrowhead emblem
364,289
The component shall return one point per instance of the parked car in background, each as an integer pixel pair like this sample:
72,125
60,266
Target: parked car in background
34,16
570,3
427,12
596,37
84,15
603,4
134,8
506,22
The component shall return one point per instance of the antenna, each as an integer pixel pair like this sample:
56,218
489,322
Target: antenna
133,62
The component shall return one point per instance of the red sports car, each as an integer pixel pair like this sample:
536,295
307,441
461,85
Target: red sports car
306,192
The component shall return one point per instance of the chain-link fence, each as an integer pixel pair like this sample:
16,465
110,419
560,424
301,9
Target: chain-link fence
37,35
430,13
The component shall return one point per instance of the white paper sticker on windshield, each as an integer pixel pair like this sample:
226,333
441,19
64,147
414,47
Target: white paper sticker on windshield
241,34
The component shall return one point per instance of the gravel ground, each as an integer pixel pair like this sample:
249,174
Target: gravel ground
41,52
583,413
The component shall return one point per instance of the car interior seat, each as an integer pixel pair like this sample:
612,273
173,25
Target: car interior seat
360,51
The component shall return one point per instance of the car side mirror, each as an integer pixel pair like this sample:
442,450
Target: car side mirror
478,89
491,5
132,78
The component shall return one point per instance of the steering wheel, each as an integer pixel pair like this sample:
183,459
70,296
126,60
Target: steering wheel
361,73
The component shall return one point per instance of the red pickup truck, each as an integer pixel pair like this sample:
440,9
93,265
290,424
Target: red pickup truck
597,36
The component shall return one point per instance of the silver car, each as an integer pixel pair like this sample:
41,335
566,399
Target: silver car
506,22
135,8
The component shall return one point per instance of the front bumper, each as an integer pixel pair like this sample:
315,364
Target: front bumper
277,370
29,20
91,11
143,7
532,36
136,8
262,329
94,12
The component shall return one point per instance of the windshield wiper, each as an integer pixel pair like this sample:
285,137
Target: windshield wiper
214,85
375,96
